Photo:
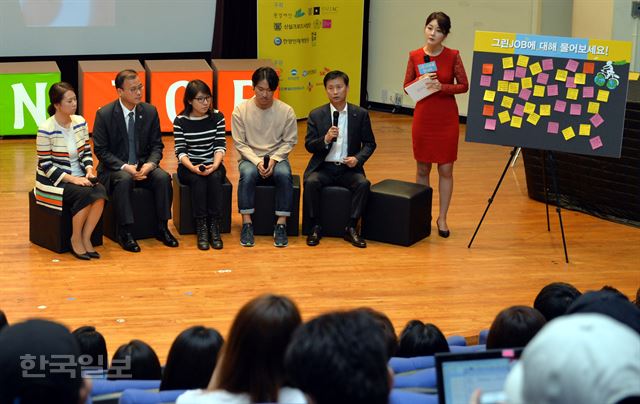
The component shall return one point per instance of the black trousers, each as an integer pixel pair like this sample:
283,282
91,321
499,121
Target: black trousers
206,192
341,175
120,185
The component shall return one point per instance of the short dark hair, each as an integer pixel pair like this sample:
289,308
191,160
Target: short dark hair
444,22
93,344
191,91
145,364
3,320
336,74
340,358
420,339
514,327
612,304
192,358
555,298
389,332
56,95
266,73
126,74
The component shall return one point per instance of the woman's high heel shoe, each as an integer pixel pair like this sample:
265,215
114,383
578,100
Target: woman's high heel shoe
93,254
442,233
83,256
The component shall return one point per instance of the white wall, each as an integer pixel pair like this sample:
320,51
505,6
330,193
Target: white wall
626,28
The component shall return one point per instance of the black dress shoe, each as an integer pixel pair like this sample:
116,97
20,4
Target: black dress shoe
444,233
314,236
354,238
167,238
83,256
93,254
127,242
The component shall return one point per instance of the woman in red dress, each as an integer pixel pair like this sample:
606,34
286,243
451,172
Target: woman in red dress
435,118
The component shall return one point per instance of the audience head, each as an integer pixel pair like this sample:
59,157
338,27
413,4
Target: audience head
253,356
554,299
265,81
443,20
336,74
340,358
514,327
615,305
389,332
24,348
198,98
62,96
135,360
93,345
3,320
637,302
192,358
611,289
129,88
420,339
578,358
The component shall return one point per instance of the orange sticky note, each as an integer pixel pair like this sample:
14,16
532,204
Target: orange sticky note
507,102
526,82
561,75
487,110
588,67
533,118
568,133
487,68
523,60
504,116
516,121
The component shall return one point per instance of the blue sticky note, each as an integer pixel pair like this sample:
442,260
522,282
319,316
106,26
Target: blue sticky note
427,67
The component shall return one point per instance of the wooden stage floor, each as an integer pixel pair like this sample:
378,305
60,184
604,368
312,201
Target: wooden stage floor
159,292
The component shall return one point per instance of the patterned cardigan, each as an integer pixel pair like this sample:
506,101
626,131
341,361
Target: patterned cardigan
53,160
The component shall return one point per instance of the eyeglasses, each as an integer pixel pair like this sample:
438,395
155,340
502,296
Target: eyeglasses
134,90
204,99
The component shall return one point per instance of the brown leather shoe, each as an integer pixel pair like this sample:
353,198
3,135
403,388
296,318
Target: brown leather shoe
352,236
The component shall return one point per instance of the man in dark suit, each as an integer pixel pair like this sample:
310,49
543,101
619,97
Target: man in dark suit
127,140
340,137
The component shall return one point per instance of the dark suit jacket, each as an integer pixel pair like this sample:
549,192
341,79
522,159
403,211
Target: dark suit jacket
361,144
111,142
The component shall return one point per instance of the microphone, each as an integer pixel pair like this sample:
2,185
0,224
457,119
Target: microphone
427,58
93,180
139,166
201,168
265,162
336,115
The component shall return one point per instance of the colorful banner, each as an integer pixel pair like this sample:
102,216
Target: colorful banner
306,39
549,93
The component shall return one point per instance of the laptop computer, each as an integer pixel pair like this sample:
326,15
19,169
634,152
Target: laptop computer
460,374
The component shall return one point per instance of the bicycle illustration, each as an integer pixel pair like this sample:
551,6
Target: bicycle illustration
606,76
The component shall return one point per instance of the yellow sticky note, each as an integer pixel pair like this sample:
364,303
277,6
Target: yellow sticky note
593,107
545,110
507,63
514,87
489,95
634,76
507,102
603,95
504,116
523,60
535,68
580,78
526,82
538,91
529,107
533,118
572,93
585,129
561,75
568,133
503,86
516,121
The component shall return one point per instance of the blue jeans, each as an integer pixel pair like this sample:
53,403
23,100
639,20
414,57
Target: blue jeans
249,178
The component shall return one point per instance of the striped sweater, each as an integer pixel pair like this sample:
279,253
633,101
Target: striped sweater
54,162
199,139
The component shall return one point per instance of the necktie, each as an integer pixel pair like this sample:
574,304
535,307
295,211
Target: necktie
132,139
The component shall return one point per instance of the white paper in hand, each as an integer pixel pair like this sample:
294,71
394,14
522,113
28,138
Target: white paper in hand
420,89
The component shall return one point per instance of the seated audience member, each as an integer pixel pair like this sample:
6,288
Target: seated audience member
637,302
340,358
554,299
3,320
251,366
578,358
390,337
615,305
420,339
136,361
192,358
611,289
26,378
93,345
514,327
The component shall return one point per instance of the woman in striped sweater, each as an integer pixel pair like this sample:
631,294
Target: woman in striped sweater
65,176
200,145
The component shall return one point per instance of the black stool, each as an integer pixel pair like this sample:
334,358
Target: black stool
144,213
398,212
265,204
335,208
182,213
52,231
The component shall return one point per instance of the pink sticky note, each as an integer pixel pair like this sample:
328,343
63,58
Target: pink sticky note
525,93
560,106
587,92
490,124
570,82
596,142
542,78
547,64
572,65
552,127
521,72
485,81
552,90
508,75
576,109
518,110
596,120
